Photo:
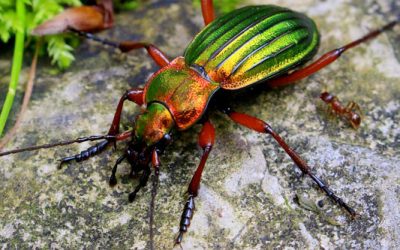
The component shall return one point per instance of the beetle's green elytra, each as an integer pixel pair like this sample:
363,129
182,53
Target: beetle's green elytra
253,44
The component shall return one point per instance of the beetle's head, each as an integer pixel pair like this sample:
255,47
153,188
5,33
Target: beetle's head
152,131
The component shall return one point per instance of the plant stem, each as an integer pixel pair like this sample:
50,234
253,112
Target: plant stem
16,66
28,93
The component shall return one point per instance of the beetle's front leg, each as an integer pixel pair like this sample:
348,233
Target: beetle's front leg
206,141
133,95
263,127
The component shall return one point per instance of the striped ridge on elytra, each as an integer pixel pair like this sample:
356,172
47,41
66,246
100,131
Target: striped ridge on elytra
223,29
256,28
252,41
243,51
213,31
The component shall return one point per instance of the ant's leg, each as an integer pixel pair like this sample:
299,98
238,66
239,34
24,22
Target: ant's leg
83,18
326,59
207,9
206,141
262,127
134,95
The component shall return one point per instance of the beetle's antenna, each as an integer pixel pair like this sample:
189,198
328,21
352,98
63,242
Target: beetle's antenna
90,36
63,143
155,183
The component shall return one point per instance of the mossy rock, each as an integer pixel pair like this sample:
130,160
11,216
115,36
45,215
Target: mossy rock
246,200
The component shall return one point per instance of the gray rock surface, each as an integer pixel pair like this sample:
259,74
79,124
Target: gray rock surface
246,200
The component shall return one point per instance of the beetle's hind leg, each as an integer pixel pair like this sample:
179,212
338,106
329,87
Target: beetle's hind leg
262,127
327,58
207,9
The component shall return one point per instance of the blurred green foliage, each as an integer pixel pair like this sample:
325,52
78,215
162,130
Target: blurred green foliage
38,11
222,6
225,6
59,47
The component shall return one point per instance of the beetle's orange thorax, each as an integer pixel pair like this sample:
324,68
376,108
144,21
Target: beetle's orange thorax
182,90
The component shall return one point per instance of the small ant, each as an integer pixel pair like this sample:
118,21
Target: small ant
351,111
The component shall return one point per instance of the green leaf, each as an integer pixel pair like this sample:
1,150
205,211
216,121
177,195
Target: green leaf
126,5
60,51
4,33
225,6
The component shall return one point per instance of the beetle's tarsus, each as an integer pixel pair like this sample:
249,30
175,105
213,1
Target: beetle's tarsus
185,218
113,180
333,196
178,239
132,196
142,182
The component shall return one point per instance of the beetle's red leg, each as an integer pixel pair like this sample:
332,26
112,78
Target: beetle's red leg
134,95
262,127
125,46
206,141
326,59
158,56
207,9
